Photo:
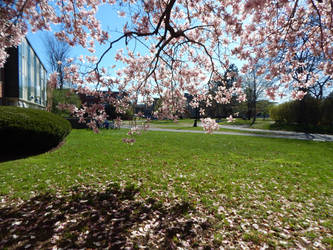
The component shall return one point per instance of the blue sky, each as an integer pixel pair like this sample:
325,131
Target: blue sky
109,21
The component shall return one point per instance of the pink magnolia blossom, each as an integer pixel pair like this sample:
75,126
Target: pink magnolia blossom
184,48
121,13
298,95
118,122
129,140
230,119
53,80
134,131
145,126
209,125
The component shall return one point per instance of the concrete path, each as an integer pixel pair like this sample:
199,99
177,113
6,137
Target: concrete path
308,136
268,133
291,135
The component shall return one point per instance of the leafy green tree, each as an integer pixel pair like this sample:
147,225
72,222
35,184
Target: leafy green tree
255,86
64,96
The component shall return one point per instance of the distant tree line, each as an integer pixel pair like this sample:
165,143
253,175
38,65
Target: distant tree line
308,113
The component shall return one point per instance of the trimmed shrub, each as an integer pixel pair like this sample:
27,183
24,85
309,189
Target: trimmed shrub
30,130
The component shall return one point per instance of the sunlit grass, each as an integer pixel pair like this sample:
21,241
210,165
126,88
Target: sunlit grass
264,181
260,123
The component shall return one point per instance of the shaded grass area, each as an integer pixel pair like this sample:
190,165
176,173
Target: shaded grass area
85,218
253,191
24,152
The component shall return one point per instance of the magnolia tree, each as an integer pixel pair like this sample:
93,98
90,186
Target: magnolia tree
184,46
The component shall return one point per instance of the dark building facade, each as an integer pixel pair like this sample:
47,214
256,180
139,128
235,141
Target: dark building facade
23,79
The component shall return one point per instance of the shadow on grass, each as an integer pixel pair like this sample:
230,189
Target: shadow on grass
11,153
85,218
12,156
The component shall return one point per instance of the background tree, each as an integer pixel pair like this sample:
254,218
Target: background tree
263,108
62,97
304,114
58,55
326,111
305,71
311,74
219,106
255,86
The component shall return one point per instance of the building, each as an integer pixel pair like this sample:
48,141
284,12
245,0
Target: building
147,110
23,79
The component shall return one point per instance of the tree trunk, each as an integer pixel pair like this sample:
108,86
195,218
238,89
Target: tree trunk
249,114
60,77
254,108
196,118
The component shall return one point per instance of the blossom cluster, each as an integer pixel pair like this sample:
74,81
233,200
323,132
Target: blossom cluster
184,48
230,119
134,131
209,125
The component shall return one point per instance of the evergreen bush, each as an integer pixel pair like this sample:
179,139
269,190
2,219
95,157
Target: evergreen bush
31,129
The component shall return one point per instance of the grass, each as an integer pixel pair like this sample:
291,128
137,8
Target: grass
185,122
260,123
259,191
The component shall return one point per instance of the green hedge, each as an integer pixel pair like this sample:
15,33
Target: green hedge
308,114
31,129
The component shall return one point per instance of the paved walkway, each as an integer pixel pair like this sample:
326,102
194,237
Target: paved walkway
308,136
268,133
290,135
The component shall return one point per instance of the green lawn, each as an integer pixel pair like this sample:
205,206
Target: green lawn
184,122
252,191
260,123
